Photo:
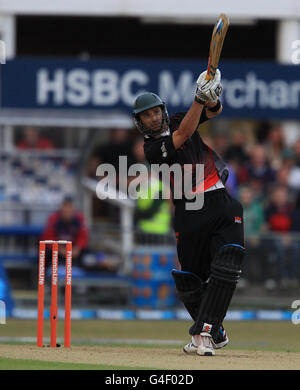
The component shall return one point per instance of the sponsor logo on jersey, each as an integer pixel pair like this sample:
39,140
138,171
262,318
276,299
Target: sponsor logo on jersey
237,219
164,150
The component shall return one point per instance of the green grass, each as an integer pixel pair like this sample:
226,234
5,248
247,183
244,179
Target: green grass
22,364
254,335
277,336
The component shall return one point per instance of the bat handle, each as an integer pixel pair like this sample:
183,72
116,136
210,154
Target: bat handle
208,75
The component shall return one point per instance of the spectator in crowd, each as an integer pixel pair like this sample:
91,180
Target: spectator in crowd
152,217
275,146
254,226
119,144
282,179
68,224
279,211
288,158
294,178
33,140
282,176
153,213
280,262
262,131
237,149
259,173
237,157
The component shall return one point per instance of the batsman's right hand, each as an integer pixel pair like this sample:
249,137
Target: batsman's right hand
209,90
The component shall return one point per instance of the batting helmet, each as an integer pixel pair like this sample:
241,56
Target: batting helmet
144,102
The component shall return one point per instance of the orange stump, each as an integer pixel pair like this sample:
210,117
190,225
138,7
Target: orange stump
68,288
53,309
41,289
54,288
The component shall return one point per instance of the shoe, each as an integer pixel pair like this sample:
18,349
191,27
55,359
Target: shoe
205,347
220,340
191,348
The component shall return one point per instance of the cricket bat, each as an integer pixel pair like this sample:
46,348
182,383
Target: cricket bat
216,43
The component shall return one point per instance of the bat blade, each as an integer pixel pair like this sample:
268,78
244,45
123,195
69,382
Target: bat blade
216,44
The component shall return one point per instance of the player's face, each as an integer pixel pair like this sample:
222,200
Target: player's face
152,118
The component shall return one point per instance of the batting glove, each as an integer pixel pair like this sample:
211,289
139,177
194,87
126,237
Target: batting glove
208,90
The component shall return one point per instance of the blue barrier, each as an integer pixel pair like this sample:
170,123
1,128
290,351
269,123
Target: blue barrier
179,314
21,230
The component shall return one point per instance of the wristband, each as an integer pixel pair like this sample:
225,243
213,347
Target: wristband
198,100
215,108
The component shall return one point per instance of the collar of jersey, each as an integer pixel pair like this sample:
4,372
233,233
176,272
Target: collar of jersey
164,134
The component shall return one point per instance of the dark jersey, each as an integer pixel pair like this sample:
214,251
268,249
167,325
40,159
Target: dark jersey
193,151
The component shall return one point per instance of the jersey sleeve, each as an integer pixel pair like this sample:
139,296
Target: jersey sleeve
160,151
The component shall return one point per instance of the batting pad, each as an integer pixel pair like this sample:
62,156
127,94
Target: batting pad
189,290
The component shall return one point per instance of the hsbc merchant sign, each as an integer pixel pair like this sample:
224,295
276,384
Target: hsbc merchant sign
250,89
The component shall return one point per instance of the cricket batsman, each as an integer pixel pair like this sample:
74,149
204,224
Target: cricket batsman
210,240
